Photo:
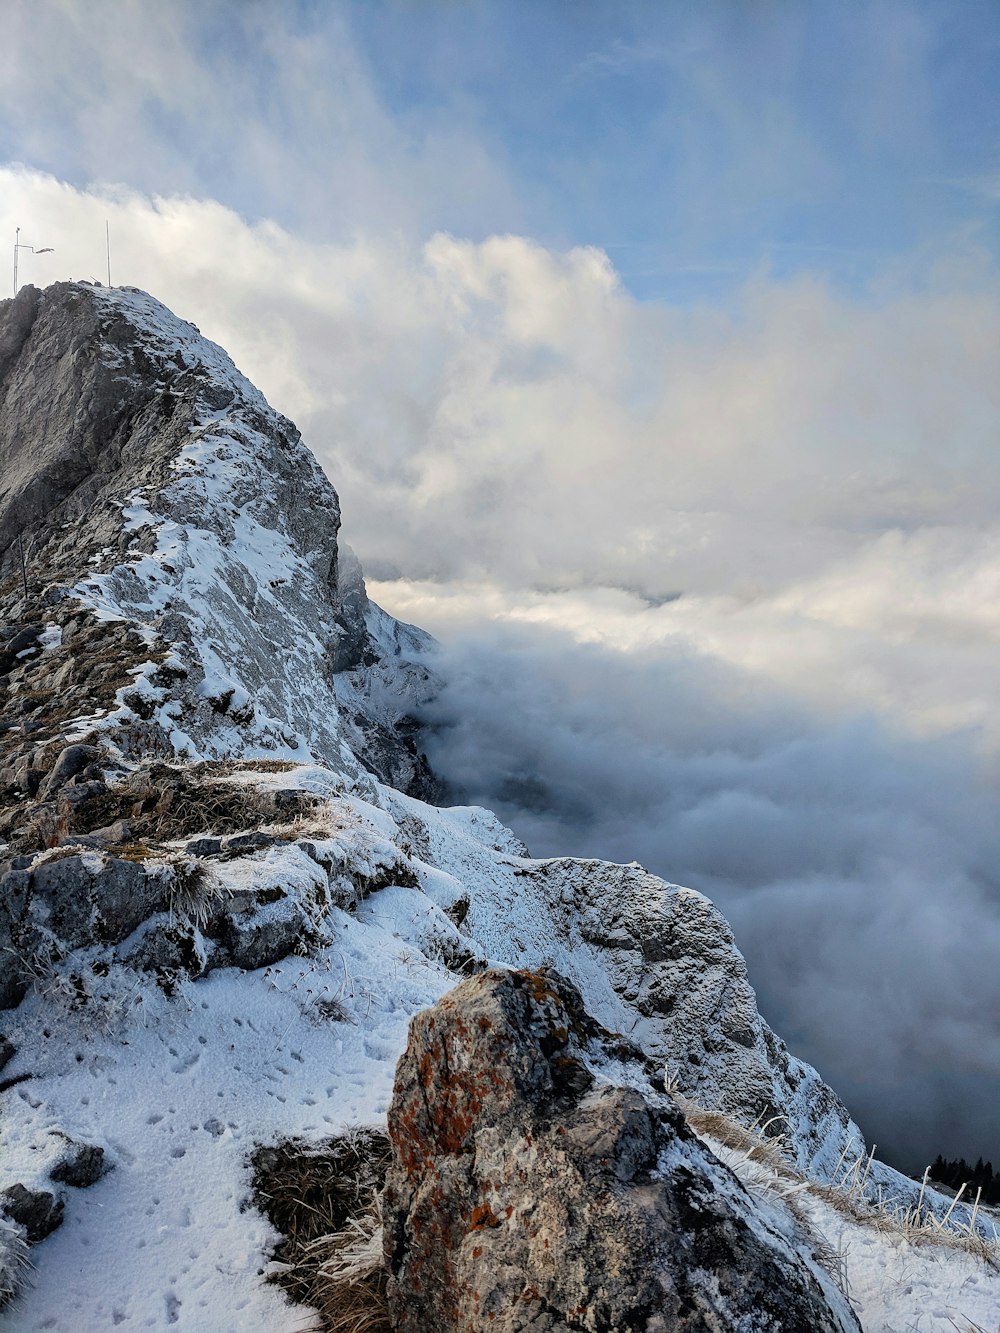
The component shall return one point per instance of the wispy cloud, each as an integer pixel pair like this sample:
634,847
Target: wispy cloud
621,57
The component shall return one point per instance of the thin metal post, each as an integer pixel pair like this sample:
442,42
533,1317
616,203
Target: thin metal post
107,237
17,238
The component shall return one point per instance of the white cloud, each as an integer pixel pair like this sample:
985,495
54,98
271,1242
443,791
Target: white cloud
815,477
271,107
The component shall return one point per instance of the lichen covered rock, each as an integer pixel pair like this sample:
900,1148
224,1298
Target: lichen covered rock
522,1194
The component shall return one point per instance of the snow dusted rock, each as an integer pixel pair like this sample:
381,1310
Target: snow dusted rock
71,762
523,1195
652,960
39,1212
33,1210
151,486
65,902
79,1165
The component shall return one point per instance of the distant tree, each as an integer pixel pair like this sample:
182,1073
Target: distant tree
957,1172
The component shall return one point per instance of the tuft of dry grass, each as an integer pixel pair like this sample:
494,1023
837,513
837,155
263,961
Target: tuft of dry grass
15,1266
850,1194
350,1287
258,765
194,893
753,1142
324,1199
919,1224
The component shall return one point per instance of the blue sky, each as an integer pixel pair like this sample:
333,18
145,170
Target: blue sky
694,142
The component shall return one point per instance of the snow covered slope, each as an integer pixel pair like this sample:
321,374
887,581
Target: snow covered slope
218,909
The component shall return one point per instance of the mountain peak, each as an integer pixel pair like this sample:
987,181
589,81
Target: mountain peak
149,482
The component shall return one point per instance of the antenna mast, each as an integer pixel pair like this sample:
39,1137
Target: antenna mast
107,238
23,245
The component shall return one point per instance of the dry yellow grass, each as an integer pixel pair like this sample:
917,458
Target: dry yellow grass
324,1200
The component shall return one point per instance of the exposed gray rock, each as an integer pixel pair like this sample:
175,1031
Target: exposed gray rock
19,641
38,1211
61,901
264,936
239,843
70,762
169,949
81,1165
14,974
522,1195
80,902
66,903
123,896
204,847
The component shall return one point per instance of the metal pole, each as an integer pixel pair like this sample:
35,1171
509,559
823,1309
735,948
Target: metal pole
107,237
17,237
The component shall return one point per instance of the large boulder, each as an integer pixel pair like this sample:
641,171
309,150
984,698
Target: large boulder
522,1194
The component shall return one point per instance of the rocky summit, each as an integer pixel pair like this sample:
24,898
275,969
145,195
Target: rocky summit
232,899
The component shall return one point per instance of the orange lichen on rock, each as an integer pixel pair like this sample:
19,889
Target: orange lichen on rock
524,1194
483,1216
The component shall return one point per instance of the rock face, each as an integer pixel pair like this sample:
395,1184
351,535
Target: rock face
165,539
524,1195
657,961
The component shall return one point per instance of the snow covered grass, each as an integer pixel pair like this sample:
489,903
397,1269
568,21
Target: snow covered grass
193,891
14,1264
901,1268
920,1225
312,1189
324,1199
350,1292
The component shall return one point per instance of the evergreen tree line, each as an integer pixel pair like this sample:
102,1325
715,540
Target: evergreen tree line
958,1172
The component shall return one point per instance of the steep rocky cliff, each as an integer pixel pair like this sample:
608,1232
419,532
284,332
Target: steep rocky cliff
224,889
162,527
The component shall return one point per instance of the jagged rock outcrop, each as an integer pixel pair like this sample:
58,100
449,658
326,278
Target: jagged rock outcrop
165,539
654,960
522,1194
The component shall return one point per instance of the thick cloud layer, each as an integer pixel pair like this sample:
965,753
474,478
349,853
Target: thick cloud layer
719,586
858,868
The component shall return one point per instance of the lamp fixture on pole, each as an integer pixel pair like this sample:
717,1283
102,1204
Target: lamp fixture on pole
20,245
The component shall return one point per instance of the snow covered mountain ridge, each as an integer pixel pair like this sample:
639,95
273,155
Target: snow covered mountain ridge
141,466
224,889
